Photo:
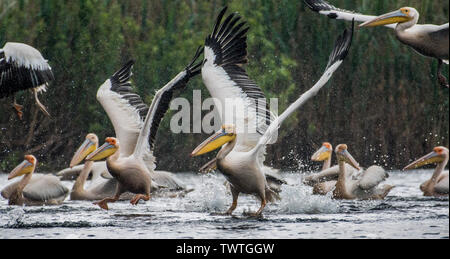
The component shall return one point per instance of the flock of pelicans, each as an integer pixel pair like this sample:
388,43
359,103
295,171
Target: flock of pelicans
129,170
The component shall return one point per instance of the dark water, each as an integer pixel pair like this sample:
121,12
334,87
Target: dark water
404,214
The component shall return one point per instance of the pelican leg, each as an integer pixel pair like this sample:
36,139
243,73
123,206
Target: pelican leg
229,212
442,80
104,203
18,108
139,197
263,205
39,104
259,212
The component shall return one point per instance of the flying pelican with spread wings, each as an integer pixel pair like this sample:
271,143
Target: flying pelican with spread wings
427,39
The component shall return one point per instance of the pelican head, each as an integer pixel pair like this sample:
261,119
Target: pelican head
106,150
402,15
26,167
225,135
89,145
438,155
324,153
344,156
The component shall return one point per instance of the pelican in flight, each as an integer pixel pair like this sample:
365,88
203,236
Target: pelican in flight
365,186
326,180
23,67
130,157
438,184
240,159
427,39
33,190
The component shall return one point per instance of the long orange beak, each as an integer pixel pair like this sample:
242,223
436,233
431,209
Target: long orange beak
214,142
83,151
430,158
105,151
322,154
350,160
23,168
389,18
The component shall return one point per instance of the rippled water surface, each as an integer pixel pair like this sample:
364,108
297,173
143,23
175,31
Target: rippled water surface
404,214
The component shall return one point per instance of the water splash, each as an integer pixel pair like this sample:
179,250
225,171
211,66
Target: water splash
15,217
298,199
209,196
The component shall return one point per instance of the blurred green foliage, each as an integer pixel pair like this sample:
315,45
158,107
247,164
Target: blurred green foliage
384,102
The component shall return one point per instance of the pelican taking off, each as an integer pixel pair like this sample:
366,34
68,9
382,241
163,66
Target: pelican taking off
236,96
127,112
241,160
131,161
438,184
364,187
427,39
23,67
33,190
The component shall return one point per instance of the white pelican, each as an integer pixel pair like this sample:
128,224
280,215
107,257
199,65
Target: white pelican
240,160
364,187
102,184
99,188
427,39
23,67
222,63
130,160
438,184
33,190
326,180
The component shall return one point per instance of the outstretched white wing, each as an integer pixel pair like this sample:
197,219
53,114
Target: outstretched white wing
338,55
324,8
237,98
125,109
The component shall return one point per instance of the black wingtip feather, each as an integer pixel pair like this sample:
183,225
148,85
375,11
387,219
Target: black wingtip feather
120,83
318,5
228,41
342,46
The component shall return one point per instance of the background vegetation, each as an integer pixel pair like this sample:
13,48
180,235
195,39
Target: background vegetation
384,102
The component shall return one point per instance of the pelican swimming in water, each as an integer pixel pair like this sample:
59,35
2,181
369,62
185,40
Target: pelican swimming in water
102,184
365,186
325,181
133,171
438,184
241,157
427,39
100,188
23,67
33,189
